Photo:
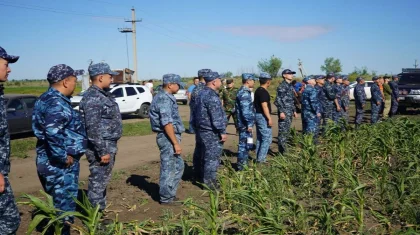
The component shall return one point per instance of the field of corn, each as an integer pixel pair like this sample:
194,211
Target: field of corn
364,181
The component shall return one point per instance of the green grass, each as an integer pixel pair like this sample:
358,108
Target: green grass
140,128
20,147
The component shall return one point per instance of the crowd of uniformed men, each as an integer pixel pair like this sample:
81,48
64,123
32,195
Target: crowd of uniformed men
65,135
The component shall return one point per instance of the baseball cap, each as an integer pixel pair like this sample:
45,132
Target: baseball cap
374,78
394,76
248,76
172,78
345,78
265,75
307,78
208,77
100,68
203,72
9,58
60,72
330,75
319,77
229,81
287,71
358,79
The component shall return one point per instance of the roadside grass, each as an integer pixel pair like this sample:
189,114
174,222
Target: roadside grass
20,147
141,128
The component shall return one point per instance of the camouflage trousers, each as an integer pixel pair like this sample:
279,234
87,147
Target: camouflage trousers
264,137
9,213
210,152
337,115
171,168
311,124
191,127
345,114
100,174
359,114
62,183
234,117
197,159
284,132
243,153
375,112
394,107
327,115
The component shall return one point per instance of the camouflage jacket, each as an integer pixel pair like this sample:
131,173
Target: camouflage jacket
163,111
394,88
58,128
4,136
244,108
375,91
208,113
338,90
101,117
228,96
310,102
345,97
285,98
359,94
321,97
329,94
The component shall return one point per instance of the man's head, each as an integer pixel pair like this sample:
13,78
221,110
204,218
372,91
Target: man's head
213,80
381,80
171,83
360,80
201,73
330,77
346,81
320,80
230,83
196,80
338,79
288,74
150,81
101,75
265,79
248,80
63,78
395,78
309,80
375,79
5,60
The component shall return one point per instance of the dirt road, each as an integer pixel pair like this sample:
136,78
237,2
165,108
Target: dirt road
132,151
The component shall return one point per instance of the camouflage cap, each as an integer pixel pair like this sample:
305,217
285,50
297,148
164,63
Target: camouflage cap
100,68
248,76
9,58
319,77
330,75
60,72
307,78
203,72
265,75
345,78
374,78
358,79
287,71
211,76
171,78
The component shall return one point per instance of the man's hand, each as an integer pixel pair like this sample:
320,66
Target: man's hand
295,115
282,116
378,103
2,183
249,129
105,159
338,108
223,137
318,115
69,161
346,108
398,99
177,149
270,122
363,105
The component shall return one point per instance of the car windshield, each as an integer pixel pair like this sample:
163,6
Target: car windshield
410,79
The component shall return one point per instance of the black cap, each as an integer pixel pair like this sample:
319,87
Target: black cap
287,71
229,81
330,75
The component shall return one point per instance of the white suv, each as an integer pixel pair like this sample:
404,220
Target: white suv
131,98
368,84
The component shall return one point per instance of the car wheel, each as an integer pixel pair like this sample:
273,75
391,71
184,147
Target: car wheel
143,112
184,102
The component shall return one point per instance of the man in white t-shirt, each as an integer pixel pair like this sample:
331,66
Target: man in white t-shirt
149,84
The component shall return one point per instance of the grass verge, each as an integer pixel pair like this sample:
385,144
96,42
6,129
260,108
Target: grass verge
20,147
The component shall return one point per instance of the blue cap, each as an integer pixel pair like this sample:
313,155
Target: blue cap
9,58
358,79
345,78
338,76
319,77
100,68
374,78
62,71
208,77
287,71
307,78
171,78
203,72
248,76
394,76
330,75
265,75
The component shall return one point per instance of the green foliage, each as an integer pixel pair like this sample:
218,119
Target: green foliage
20,147
361,72
332,65
271,66
141,128
228,74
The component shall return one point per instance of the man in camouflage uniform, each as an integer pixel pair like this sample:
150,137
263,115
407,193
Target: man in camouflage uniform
197,161
228,96
286,108
102,119
166,122
9,213
345,99
330,97
387,97
395,95
210,120
338,90
311,108
360,100
61,139
320,81
246,117
376,100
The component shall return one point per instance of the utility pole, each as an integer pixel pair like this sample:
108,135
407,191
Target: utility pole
415,64
132,30
301,69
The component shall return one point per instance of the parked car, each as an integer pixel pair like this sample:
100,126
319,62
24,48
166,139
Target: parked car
180,96
19,112
409,89
368,84
131,99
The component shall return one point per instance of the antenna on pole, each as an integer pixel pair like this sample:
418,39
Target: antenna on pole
301,69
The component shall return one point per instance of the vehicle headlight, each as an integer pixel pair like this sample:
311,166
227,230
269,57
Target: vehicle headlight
415,92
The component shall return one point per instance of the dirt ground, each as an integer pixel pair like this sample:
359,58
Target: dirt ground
133,192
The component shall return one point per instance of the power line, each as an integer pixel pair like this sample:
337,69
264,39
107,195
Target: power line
53,10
